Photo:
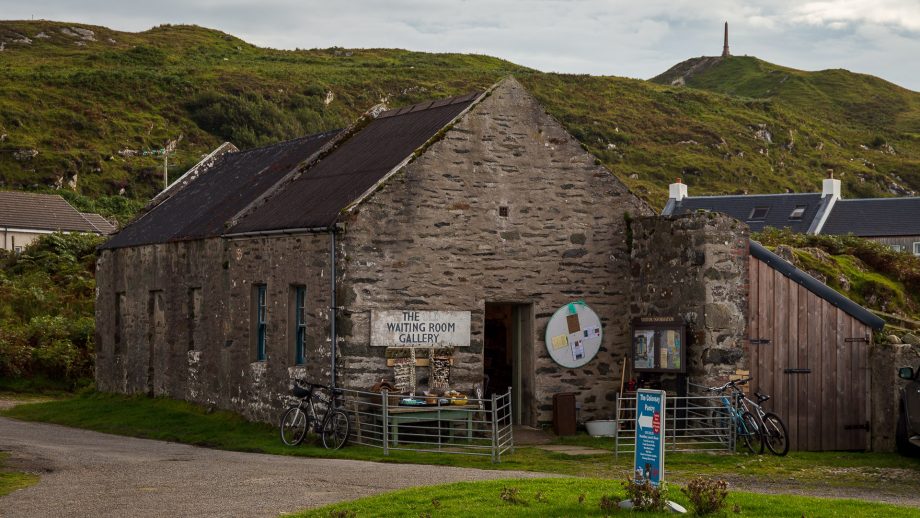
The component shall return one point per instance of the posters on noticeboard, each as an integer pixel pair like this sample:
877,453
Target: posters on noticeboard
659,345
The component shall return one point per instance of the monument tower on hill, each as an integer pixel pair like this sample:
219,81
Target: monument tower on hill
725,52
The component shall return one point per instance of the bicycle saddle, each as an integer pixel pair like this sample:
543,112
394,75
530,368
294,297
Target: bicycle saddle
760,397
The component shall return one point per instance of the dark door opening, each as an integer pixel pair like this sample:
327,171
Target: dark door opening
508,356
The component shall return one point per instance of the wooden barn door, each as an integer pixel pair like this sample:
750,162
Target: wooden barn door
812,358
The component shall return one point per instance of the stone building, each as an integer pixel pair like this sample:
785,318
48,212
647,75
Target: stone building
453,230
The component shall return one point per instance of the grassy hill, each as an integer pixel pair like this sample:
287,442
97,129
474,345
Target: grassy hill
80,105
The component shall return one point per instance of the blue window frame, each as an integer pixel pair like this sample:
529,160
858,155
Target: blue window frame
300,323
260,323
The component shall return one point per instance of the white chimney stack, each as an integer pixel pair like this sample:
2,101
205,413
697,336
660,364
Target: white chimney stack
830,186
677,191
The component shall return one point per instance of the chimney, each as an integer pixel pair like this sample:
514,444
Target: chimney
830,186
677,190
725,52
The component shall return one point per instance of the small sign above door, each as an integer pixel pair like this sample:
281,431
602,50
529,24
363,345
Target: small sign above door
413,328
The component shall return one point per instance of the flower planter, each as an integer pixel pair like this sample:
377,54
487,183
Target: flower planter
602,428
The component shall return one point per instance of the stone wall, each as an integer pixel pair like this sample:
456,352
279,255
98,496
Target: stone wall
886,387
432,237
207,356
696,267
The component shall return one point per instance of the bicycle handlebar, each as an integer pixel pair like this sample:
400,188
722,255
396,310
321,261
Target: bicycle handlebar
731,384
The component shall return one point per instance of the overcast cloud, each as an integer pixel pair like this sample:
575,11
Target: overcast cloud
640,38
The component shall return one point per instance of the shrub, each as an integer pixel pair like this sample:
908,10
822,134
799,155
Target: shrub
608,504
645,496
512,495
707,496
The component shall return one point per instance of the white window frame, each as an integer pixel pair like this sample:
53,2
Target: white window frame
898,248
916,247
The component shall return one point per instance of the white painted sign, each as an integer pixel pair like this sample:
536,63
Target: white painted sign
411,328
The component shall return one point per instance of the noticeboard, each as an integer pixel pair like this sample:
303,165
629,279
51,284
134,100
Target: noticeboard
648,462
573,335
659,345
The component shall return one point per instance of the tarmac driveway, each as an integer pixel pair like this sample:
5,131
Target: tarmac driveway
86,473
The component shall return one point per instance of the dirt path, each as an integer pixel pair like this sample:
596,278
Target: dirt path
86,473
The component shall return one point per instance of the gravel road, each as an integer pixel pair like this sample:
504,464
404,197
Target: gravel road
86,473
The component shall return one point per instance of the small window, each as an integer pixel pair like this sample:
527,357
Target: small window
759,213
259,320
300,324
119,322
916,248
194,314
898,248
503,212
18,249
798,212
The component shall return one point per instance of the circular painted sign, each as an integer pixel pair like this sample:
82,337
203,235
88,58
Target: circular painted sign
573,335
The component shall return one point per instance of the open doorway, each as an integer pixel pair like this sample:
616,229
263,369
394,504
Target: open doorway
508,356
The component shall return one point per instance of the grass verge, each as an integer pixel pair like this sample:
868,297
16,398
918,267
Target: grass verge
560,497
179,421
12,480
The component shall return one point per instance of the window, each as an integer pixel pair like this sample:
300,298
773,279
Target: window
503,212
759,213
898,248
119,321
300,324
18,249
259,320
194,314
797,212
916,248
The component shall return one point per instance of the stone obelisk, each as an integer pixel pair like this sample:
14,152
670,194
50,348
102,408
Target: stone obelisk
725,52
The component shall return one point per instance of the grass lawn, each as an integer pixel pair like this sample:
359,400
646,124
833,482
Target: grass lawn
179,421
12,480
560,497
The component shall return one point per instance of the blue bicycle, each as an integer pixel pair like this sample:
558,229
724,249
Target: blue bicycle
746,426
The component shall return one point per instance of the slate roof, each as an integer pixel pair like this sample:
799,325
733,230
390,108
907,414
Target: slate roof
817,287
221,191
102,225
316,197
32,211
875,217
779,207
312,198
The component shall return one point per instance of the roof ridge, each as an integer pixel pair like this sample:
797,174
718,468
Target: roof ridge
752,195
288,141
427,105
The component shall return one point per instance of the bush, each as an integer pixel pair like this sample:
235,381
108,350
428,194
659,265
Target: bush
706,496
645,496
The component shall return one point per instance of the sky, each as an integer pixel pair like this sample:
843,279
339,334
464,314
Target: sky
640,38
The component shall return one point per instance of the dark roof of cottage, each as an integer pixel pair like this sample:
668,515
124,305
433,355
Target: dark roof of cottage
779,207
221,191
102,225
817,287
32,211
875,217
312,197
316,198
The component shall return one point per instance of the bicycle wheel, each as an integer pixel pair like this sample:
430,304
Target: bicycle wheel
335,433
775,434
754,436
293,426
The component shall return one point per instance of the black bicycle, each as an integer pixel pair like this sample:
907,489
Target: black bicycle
301,416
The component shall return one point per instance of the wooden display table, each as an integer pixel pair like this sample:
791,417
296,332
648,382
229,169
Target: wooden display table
416,414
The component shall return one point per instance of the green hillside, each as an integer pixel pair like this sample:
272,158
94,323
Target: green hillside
79,109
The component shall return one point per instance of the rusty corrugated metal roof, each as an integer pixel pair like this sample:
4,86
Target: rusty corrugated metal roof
32,211
206,206
202,208
357,164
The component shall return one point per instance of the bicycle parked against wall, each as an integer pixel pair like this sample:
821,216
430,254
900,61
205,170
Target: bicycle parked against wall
747,428
301,416
772,428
